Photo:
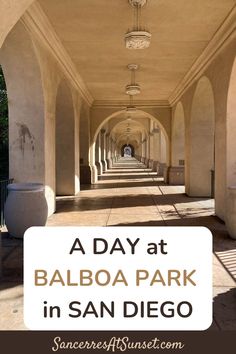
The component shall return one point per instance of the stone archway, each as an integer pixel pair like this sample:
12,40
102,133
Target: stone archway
200,163
154,127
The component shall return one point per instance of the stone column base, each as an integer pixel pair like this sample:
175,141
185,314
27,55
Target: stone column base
160,168
174,175
99,167
150,164
104,165
109,163
94,176
85,174
154,166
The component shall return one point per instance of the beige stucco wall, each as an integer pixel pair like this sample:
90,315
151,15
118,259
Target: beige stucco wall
10,13
26,107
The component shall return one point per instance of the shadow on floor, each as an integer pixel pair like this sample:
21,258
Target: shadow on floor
122,185
224,309
81,203
11,261
126,176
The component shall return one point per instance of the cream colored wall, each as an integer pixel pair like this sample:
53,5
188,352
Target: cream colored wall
84,133
26,107
65,142
10,13
51,77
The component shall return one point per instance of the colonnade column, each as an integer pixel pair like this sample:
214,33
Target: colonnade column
103,150
143,155
85,167
146,160
162,162
151,150
98,162
108,151
156,148
150,146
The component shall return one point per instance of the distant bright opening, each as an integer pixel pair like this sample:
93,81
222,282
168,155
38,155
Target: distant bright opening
127,151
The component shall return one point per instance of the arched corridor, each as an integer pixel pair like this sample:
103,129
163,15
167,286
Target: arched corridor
131,194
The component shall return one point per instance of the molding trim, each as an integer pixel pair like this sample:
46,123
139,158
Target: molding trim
125,103
38,24
220,39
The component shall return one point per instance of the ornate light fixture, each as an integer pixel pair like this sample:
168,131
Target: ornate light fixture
138,37
133,88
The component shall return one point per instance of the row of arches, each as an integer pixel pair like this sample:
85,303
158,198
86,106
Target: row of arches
54,133
141,131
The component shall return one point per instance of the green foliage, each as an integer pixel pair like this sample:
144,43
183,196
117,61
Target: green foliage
3,127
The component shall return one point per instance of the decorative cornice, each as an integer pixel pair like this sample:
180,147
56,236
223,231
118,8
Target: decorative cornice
38,24
124,104
220,39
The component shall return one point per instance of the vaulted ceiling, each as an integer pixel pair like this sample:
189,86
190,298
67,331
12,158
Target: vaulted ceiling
92,32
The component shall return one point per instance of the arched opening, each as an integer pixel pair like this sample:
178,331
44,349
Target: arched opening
4,152
141,130
65,141
199,176
127,150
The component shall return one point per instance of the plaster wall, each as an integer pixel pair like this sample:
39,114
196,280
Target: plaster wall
10,13
26,107
51,77
65,142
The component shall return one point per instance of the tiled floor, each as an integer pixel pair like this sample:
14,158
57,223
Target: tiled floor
130,194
